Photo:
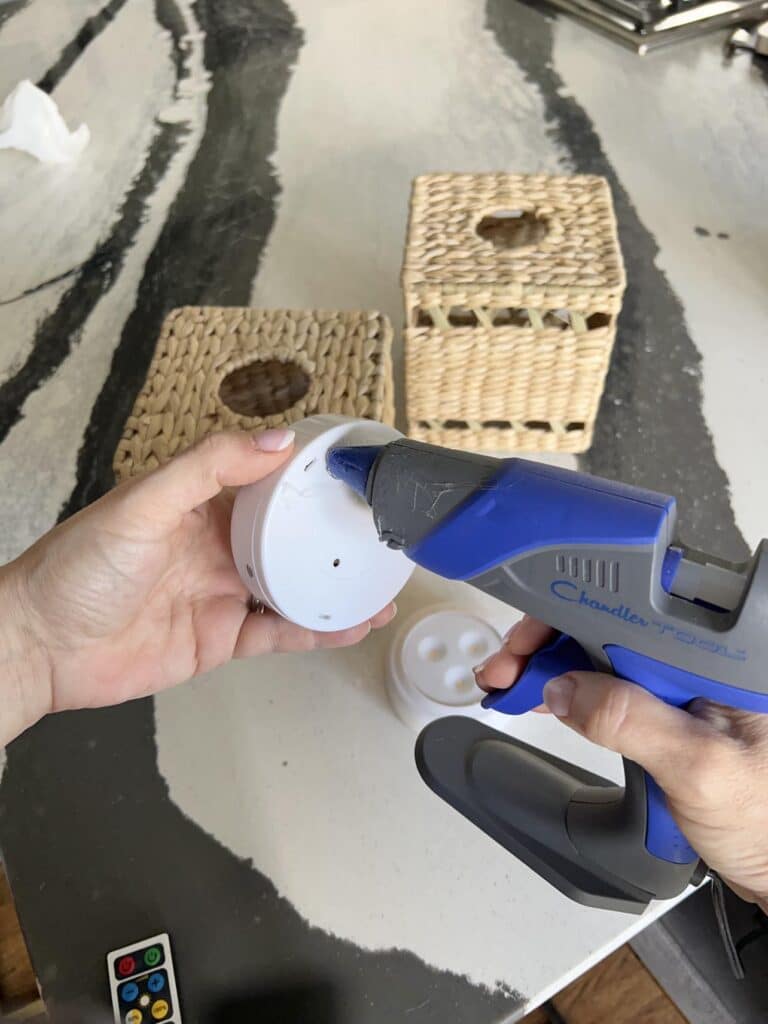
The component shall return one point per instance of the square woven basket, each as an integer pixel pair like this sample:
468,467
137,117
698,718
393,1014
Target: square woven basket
512,285
219,368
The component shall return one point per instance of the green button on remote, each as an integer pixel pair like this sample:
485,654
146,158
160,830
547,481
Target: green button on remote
152,956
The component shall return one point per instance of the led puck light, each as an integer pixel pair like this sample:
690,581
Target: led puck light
430,665
306,545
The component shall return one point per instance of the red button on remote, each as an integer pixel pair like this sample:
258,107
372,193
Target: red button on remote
126,966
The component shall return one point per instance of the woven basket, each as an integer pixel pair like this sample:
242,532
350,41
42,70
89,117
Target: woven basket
231,368
512,286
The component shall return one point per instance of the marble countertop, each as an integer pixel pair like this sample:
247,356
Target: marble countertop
260,152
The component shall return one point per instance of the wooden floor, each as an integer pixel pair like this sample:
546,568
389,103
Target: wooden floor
618,991
19,998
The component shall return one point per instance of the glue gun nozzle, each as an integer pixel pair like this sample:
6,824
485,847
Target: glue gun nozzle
352,465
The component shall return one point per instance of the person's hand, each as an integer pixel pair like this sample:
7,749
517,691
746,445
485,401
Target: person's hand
139,591
711,761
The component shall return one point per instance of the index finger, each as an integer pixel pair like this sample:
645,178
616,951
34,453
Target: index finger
505,667
228,459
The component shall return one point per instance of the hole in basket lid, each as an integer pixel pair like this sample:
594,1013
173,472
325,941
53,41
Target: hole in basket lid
512,229
264,387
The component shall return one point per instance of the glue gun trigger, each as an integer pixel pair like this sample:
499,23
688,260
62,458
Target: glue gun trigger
563,654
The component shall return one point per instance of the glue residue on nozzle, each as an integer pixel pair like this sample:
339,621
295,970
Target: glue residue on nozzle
352,465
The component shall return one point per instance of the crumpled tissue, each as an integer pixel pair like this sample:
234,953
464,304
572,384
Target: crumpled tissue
30,121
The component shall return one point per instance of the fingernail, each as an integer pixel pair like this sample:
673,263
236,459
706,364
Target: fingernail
274,440
558,695
393,609
479,668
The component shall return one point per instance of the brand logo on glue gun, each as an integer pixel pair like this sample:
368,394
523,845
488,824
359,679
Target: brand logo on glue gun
568,591
565,590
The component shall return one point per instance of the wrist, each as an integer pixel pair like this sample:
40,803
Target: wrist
25,673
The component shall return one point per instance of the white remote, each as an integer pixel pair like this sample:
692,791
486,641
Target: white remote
142,982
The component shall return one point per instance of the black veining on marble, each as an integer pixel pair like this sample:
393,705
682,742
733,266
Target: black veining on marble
650,429
91,263
85,35
9,8
118,861
60,330
706,233
57,332
84,810
209,249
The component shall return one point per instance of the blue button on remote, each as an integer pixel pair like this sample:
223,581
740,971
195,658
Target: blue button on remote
129,992
156,982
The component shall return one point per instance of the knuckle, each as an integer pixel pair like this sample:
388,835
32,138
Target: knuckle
209,452
711,755
607,721
212,445
273,638
710,769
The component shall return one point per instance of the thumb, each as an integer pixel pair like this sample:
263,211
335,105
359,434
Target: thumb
672,745
200,473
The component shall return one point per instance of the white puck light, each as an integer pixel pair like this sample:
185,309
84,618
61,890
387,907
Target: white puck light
430,665
306,545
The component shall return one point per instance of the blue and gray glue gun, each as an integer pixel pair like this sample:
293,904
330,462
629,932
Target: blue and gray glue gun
599,561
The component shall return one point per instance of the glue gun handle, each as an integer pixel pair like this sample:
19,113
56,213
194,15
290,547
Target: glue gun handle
660,834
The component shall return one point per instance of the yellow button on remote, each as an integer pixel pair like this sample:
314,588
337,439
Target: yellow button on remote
133,1017
159,1010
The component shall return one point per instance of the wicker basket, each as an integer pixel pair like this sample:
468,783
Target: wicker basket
230,368
512,286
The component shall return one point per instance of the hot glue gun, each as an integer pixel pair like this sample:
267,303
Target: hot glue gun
600,562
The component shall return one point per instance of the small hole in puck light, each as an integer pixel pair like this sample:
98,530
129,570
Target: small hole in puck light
249,570
310,464
459,679
431,649
473,645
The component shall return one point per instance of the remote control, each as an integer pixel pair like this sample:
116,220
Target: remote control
143,983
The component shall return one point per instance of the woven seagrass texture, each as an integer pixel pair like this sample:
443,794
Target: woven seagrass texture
219,368
504,389
512,284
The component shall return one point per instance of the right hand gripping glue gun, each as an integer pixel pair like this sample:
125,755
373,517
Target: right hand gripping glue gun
600,562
